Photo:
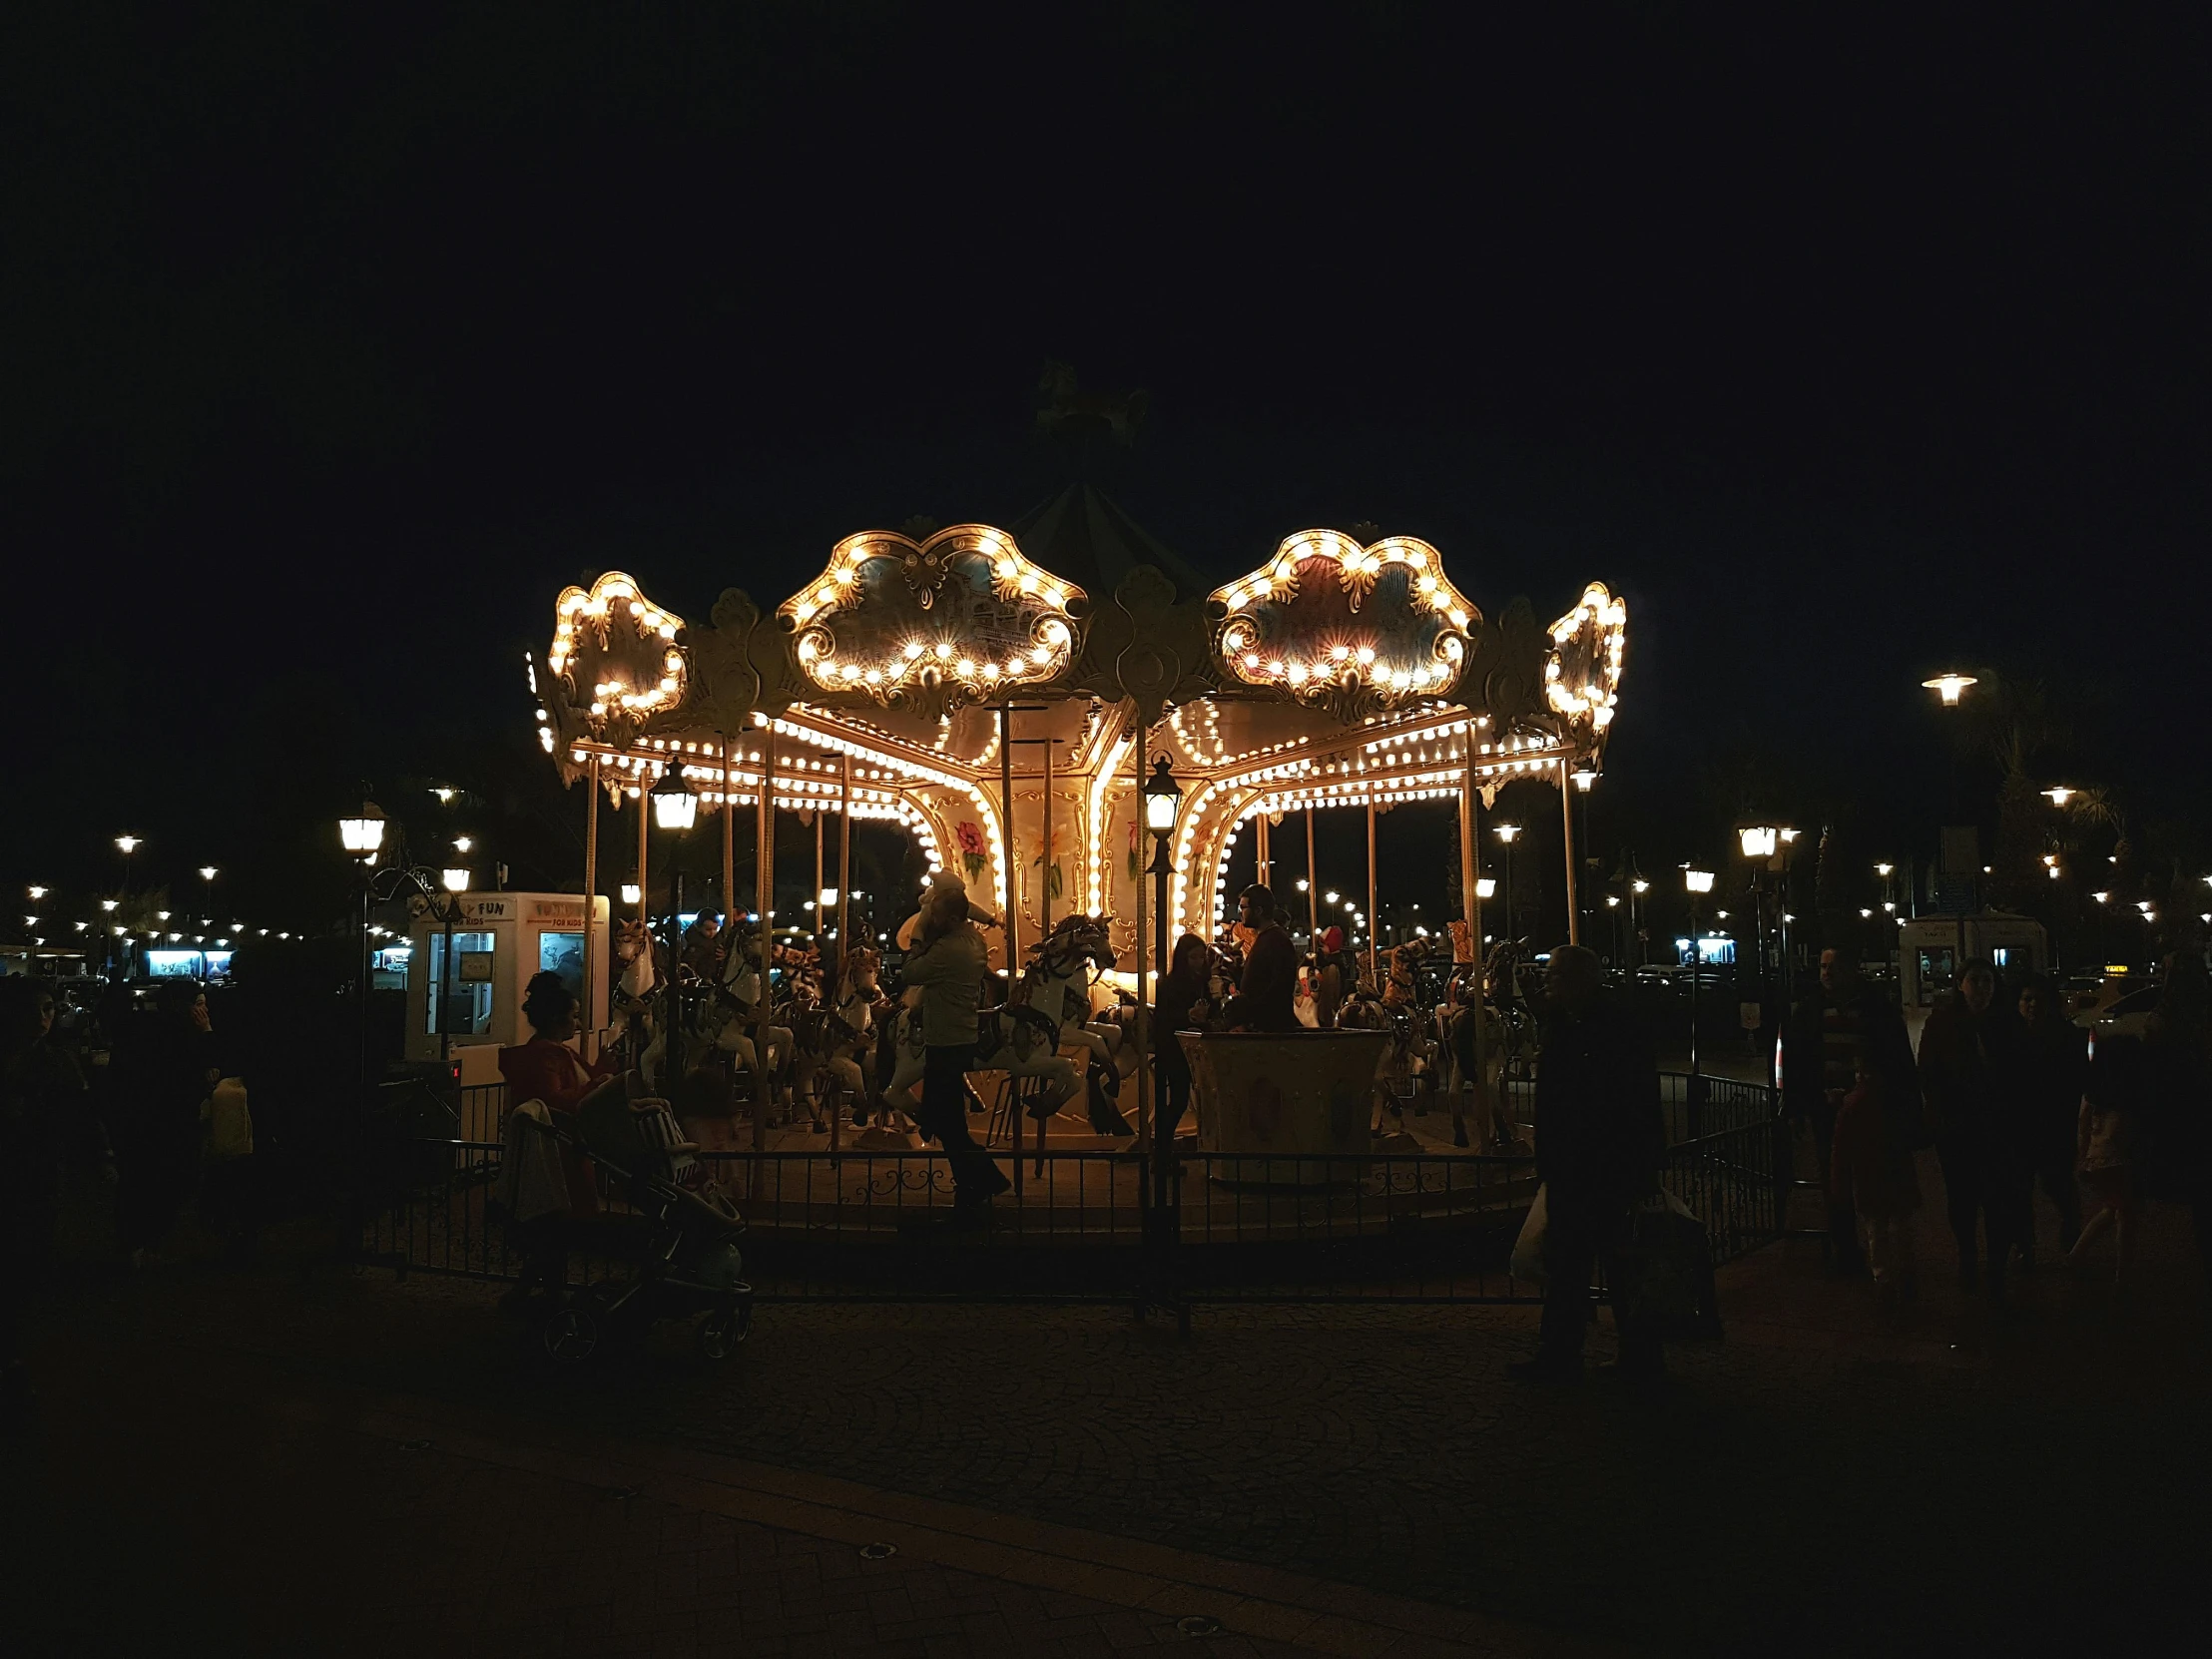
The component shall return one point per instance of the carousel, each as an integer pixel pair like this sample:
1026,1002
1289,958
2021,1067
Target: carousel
1069,718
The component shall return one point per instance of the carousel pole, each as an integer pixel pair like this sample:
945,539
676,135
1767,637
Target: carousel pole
845,853
729,845
1470,891
1373,972
1260,850
1313,886
588,1024
1148,1140
1044,896
764,876
1009,921
817,899
1566,828
1044,853
645,818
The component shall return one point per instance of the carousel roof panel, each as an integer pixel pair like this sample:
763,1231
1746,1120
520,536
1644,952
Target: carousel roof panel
1083,534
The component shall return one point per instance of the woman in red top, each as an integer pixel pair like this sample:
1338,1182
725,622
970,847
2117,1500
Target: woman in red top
546,1069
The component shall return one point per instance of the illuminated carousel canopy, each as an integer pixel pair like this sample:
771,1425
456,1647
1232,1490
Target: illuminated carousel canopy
1338,672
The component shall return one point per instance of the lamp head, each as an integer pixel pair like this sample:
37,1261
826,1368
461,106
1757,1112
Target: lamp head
128,845
673,804
1161,798
1698,880
363,832
456,879
1506,832
1948,687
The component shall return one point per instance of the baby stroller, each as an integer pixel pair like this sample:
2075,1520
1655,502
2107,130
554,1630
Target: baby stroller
687,1263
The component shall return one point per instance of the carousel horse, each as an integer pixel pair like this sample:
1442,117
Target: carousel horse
738,995
843,1034
1058,984
1457,1021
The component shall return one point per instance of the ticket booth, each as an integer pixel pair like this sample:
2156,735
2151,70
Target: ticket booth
501,942
1932,950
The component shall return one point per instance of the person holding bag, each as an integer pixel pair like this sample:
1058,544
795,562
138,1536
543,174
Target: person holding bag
1600,1139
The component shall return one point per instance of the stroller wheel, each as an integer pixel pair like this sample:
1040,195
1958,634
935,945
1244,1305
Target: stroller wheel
571,1336
722,1331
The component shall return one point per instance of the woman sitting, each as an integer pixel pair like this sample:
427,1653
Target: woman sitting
546,1069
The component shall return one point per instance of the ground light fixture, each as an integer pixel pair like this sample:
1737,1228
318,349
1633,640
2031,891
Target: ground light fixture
363,833
1948,687
673,804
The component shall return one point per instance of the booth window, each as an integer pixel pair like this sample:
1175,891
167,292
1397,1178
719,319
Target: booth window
563,954
468,995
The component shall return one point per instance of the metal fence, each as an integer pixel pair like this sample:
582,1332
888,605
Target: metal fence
1395,1225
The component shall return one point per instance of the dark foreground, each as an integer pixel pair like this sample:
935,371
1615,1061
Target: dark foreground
306,1458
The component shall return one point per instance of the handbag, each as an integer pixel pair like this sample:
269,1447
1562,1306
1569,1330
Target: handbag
1528,1250
1665,1289
228,1121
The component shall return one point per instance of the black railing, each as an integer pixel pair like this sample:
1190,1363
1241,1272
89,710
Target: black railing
1433,1226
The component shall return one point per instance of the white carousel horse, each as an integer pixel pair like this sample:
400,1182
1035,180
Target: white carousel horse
738,998
837,1041
1058,984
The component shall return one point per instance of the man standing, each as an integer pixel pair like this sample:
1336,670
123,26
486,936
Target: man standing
1266,995
1821,1050
1600,1137
947,963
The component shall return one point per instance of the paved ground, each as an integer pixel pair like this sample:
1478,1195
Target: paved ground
1825,1481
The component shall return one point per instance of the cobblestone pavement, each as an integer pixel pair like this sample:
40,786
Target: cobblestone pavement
1828,1480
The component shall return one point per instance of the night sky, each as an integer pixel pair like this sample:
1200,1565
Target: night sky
338,339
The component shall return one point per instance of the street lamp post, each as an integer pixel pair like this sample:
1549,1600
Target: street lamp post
676,809
1697,883
1508,834
1162,801
362,837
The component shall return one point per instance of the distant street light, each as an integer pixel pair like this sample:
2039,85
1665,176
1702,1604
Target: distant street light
1948,687
2059,794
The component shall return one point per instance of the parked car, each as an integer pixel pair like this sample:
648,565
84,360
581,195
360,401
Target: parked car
2121,1019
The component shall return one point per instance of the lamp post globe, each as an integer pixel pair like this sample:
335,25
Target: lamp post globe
363,833
1163,799
673,804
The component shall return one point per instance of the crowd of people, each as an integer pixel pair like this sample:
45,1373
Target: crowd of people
2006,1090
167,1128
